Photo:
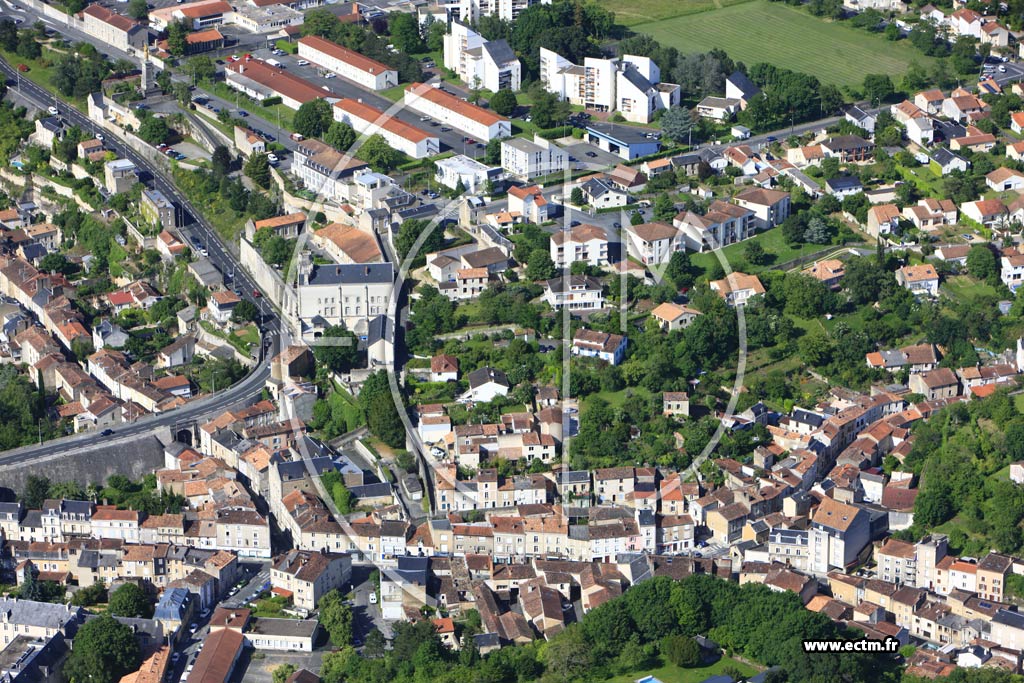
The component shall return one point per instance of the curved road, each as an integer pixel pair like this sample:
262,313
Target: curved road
220,255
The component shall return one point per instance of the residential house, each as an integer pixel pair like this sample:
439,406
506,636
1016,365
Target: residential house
610,348
584,243
935,384
920,279
671,316
737,288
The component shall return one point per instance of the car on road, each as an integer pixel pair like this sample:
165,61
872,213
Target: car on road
445,129
243,113
175,657
297,137
573,224
106,432
193,627
302,62
52,111
1002,69
591,154
373,597
616,225
771,138
268,137
256,293
330,74
273,159
99,136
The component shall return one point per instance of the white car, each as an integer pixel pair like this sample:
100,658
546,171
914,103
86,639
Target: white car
331,74
99,136
373,598
302,62
273,158
53,111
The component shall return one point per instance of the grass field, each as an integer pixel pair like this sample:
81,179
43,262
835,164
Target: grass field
673,674
633,13
762,31
774,246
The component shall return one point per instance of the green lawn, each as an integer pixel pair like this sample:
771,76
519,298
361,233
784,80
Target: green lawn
632,13
763,31
617,399
673,674
774,245
966,288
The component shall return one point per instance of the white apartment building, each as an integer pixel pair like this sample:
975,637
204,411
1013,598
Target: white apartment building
652,242
470,11
480,63
838,533
471,173
586,243
367,120
477,122
524,159
349,294
349,64
630,85
575,292
324,170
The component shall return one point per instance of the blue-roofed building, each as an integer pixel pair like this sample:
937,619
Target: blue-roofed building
174,609
628,142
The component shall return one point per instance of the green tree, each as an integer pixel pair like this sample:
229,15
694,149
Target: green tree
258,170
576,196
200,68
878,87
677,124
664,208
410,231
28,46
340,350
405,32
540,266
130,601
37,490
138,9
336,618
378,406
504,102
245,311
682,651
379,154
340,136
313,118
282,673
177,38
981,262
105,650
436,31
547,110
754,253
220,161
154,130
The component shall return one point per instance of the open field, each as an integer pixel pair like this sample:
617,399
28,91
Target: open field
633,13
670,673
762,31
774,246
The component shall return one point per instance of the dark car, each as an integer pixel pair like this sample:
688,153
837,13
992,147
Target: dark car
106,432
591,154
574,224
771,138
243,113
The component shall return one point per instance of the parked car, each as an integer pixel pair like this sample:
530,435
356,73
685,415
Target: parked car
106,432
23,68
302,62
373,598
272,158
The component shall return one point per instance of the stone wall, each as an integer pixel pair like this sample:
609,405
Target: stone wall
133,458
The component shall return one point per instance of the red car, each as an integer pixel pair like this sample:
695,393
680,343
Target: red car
256,293
23,68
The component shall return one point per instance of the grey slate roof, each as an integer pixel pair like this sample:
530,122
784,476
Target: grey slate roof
500,51
351,273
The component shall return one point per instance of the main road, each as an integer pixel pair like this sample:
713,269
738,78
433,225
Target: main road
237,394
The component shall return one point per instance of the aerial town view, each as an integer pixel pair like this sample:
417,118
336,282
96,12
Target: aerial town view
511,341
